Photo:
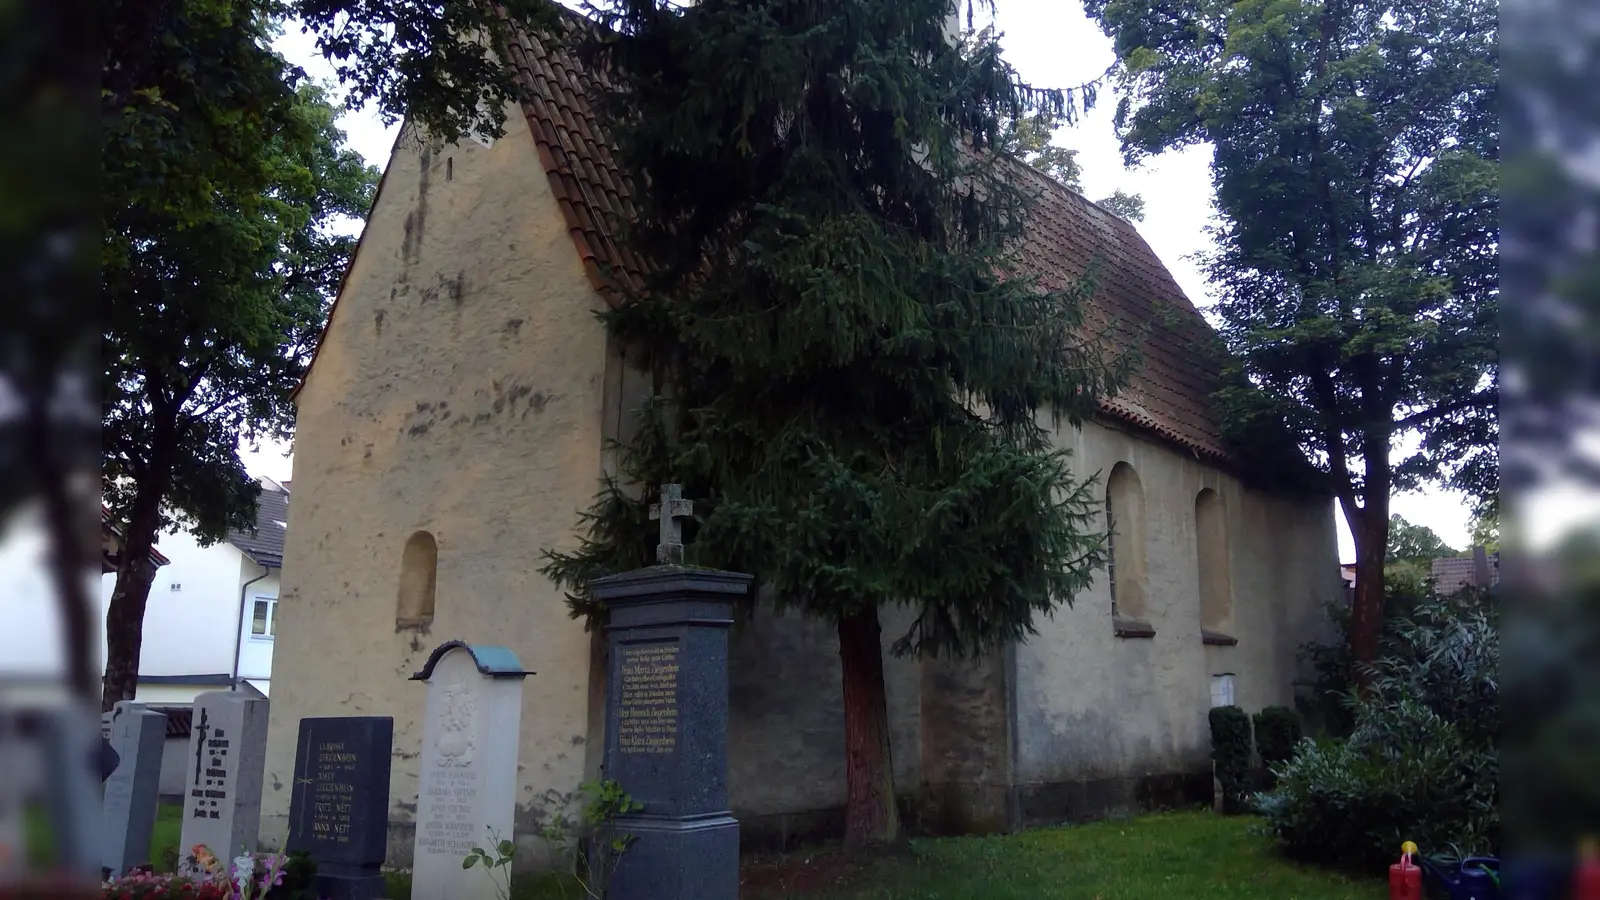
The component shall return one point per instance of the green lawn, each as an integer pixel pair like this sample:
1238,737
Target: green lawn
1188,855
163,840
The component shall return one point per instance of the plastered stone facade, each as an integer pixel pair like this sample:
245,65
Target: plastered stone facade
458,391
465,388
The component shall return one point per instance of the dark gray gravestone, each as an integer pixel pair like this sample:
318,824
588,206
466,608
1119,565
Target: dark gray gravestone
339,805
667,726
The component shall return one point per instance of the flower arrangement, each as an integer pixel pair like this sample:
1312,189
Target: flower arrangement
250,877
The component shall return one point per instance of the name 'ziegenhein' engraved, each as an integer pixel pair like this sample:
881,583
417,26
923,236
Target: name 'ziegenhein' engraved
331,790
648,714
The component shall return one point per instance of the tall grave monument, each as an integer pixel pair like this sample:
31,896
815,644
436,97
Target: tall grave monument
223,774
467,782
667,719
133,790
339,804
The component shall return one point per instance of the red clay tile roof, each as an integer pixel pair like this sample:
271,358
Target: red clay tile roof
1169,395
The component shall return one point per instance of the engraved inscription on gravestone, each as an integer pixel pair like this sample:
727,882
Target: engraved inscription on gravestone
451,792
340,803
223,772
648,713
211,764
332,792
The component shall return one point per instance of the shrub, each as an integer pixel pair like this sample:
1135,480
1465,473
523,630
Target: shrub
1230,752
1422,760
1277,732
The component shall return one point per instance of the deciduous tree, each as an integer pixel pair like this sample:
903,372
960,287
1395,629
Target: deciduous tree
223,176
1029,139
1356,147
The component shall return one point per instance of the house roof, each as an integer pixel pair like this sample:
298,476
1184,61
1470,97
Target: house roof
111,544
264,545
1169,393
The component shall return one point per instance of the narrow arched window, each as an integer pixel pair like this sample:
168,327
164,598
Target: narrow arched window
1211,546
419,572
1125,550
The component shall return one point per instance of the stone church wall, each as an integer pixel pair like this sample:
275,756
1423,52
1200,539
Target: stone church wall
447,433
1108,722
452,429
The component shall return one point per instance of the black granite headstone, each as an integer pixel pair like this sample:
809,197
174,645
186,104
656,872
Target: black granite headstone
667,730
339,807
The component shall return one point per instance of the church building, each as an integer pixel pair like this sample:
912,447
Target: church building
453,425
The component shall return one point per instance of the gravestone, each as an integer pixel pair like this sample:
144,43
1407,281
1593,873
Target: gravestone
467,780
223,774
339,805
132,792
12,862
71,747
667,721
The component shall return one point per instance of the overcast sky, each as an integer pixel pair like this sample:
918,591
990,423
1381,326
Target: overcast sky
1051,43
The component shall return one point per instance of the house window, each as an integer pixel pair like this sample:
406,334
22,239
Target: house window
1222,690
1125,547
1211,546
262,618
419,575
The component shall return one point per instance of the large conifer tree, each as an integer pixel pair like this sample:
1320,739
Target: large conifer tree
853,366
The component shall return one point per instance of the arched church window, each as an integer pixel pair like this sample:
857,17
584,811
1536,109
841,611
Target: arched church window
1125,548
1211,546
419,572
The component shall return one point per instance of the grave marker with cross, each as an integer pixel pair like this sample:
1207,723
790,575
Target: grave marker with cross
671,508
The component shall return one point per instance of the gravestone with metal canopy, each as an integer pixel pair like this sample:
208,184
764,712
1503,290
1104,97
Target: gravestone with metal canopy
467,780
667,719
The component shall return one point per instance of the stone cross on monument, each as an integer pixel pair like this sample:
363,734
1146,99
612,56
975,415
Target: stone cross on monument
671,508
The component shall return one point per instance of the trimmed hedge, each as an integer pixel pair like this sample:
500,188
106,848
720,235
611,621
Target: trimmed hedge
1278,730
1231,752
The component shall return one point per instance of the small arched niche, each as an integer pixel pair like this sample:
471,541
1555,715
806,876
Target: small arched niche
1125,549
419,574
1211,547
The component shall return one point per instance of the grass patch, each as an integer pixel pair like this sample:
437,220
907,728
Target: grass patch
1188,855
40,843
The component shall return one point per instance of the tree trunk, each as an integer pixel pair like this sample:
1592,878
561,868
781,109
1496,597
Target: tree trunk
135,572
1371,535
1369,529
872,818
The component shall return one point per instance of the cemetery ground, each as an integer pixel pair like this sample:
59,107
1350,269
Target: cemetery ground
1196,855
1192,854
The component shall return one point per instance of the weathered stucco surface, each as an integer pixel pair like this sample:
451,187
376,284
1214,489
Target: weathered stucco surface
464,389
1105,712
458,391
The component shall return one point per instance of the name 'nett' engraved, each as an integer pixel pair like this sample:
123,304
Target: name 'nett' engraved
332,787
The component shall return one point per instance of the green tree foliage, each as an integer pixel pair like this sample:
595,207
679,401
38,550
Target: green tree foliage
1486,530
1414,543
853,360
430,61
221,180
1029,139
1422,761
1355,162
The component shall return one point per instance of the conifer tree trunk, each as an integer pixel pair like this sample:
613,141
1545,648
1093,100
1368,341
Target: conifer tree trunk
872,818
